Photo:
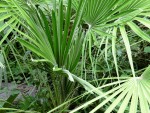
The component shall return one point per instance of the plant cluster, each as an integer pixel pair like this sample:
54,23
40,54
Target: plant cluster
79,55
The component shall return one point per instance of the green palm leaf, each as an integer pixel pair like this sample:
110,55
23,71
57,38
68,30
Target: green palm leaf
48,34
130,94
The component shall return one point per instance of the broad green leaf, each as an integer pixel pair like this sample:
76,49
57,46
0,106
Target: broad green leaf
147,49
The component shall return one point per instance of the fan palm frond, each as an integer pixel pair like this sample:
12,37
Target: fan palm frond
130,96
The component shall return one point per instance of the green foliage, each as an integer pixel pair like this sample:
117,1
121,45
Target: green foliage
74,44
147,49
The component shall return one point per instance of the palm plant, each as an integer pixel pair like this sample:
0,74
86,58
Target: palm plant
114,16
60,41
44,34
